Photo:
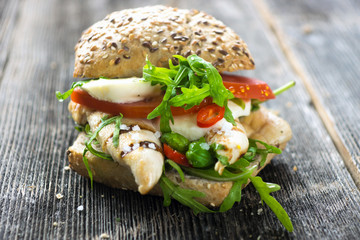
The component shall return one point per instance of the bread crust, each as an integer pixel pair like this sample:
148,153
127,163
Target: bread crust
118,45
262,125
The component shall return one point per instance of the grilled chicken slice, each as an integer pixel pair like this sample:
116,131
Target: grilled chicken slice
233,138
138,148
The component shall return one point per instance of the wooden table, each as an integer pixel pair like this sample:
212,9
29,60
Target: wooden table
314,43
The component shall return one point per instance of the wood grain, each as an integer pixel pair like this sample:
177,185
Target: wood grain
321,40
320,197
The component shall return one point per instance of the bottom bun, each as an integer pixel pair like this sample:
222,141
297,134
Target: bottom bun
262,125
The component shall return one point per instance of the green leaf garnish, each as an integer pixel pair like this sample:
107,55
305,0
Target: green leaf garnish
264,190
117,130
62,96
177,168
92,139
186,85
182,195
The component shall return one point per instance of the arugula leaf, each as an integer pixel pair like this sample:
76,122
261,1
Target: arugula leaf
264,190
190,96
92,138
184,196
214,149
86,163
239,102
117,131
226,176
233,196
177,168
217,89
186,85
228,114
62,96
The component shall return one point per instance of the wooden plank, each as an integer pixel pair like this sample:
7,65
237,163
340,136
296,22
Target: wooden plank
320,196
322,37
8,19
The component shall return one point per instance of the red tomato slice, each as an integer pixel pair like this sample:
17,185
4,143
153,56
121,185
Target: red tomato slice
131,110
209,115
247,88
176,156
241,87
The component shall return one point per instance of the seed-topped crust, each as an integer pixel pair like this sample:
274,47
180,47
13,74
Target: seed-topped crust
118,45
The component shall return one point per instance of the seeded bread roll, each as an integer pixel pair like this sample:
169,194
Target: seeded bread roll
118,45
262,125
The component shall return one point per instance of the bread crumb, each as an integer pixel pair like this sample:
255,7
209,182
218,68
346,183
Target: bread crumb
53,65
259,211
289,104
104,236
102,195
80,208
307,28
295,168
59,196
66,168
55,224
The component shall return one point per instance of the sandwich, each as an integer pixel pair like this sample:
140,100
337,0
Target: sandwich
158,114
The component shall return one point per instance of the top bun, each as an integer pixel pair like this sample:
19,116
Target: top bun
118,45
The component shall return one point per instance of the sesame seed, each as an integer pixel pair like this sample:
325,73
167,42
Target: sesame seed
214,43
223,52
172,35
164,40
120,51
160,31
130,19
117,61
131,36
164,49
144,19
205,22
105,56
93,48
108,37
112,62
112,21
125,48
147,38
218,32
114,45
126,56
198,52
203,38
146,44
155,43
210,49
197,33
235,48
153,49
220,60
188,53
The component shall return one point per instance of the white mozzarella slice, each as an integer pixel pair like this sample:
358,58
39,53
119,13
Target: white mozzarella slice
186,125
123,90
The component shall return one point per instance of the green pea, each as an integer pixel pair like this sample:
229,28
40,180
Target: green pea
176,141
199,154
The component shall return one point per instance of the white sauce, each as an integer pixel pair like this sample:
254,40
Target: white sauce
123,90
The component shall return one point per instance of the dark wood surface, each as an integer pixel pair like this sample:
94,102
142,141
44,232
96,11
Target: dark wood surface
312,42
